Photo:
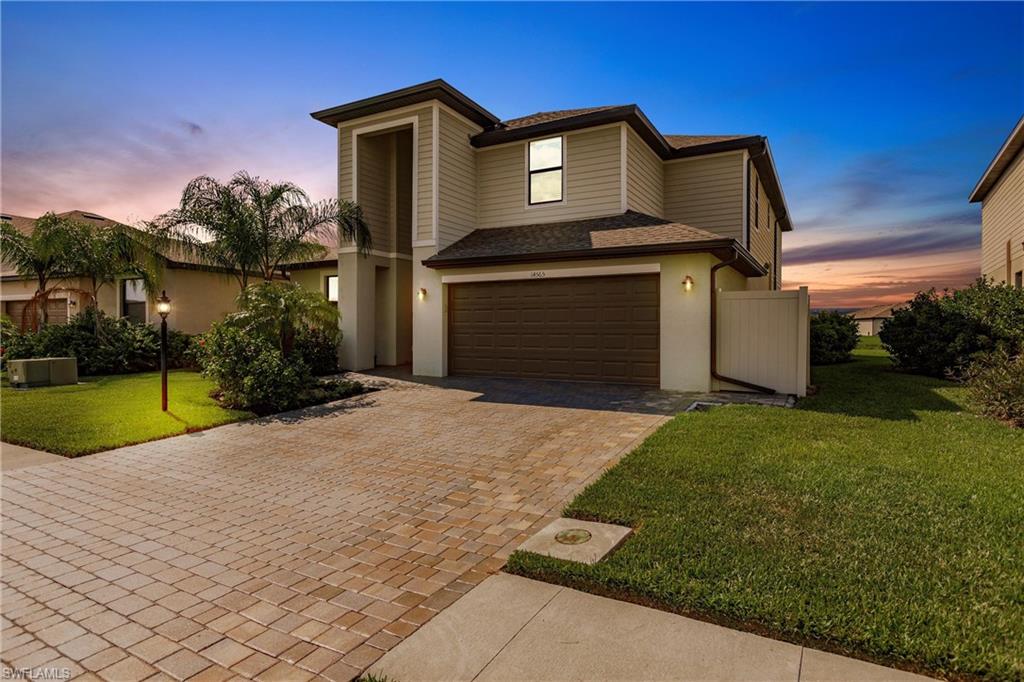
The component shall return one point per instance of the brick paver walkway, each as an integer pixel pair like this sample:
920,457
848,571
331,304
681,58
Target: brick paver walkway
285,549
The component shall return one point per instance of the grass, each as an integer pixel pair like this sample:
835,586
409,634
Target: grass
101,413
878,519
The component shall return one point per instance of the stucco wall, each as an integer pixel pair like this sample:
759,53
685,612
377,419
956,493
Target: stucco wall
685,316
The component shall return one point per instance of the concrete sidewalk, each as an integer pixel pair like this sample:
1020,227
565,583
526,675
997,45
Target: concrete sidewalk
512,628
18,457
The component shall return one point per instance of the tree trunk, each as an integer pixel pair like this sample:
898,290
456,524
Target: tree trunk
42,314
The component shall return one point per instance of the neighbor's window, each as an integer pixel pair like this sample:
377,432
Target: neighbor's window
546,171
133,300
1018,279
331,288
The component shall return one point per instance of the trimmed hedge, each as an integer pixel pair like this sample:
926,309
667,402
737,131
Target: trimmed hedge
833,337
995,386
101,344
941,334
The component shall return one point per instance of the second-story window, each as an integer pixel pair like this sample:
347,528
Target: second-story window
545,171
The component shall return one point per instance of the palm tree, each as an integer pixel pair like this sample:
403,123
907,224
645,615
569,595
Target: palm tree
252,226
103,254
42,255
279,310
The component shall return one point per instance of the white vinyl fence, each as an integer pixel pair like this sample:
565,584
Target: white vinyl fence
764,338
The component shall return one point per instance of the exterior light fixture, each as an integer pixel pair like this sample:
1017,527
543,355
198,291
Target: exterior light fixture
688,283
163,306
422,293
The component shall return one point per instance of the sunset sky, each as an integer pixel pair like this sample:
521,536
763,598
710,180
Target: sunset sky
881,116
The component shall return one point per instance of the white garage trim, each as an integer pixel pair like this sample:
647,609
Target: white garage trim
551,273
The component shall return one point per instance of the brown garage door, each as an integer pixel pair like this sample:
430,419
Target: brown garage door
56,309
579,328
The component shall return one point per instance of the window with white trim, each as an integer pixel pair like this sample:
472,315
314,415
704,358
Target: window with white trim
331,288
133,300
544,181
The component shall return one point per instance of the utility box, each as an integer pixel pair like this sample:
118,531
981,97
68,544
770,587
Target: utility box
42,372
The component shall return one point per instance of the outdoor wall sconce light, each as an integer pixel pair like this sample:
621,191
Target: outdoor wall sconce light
688,283
422,293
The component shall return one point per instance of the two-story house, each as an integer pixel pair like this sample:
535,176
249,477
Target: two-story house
581,244
1001,193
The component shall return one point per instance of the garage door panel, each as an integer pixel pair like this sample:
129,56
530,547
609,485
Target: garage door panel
584,329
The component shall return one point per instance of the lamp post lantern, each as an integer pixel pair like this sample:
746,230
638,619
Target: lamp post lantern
163,306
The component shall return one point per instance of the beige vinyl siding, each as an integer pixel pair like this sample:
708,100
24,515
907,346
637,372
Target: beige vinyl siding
374,187
707,192
645,177
456,172
424,179
1002,221
403,192
762,221
592,181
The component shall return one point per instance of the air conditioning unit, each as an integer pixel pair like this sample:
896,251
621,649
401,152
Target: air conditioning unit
42,372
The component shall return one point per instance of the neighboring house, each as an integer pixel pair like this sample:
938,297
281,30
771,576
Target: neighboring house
869,320
1001,193
200,294
576,244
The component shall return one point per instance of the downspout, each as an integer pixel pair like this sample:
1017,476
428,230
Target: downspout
714,332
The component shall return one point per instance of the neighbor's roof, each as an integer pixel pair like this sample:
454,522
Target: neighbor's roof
554,122
876,312
616,236
175,257
21,223
1003,158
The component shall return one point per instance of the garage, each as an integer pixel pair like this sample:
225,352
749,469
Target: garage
603,329
56,311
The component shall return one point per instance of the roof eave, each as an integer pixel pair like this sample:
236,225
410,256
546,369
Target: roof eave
721,248
999,163
630,114
437,89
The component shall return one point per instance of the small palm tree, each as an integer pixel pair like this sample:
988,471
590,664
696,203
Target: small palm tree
279,310
249,225
42,255
102,254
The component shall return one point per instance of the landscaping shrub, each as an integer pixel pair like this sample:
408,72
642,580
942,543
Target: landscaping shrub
250,371
995,385
833,337
318,349
101,344
8,331
940,334
180,350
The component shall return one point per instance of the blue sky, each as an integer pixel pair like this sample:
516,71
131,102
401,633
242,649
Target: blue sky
881,116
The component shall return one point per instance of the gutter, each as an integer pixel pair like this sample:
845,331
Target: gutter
714,332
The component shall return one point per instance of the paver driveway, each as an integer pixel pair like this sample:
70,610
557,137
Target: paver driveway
286,548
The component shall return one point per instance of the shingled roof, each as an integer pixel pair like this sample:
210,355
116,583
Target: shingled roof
549,116
617,236
876,311
686,141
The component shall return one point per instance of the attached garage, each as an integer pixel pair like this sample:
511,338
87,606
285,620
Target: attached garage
603,329
56,310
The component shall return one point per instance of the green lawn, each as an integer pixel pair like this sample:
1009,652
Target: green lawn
878,519
106,412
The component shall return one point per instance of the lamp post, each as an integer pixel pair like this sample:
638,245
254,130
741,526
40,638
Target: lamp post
163,306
